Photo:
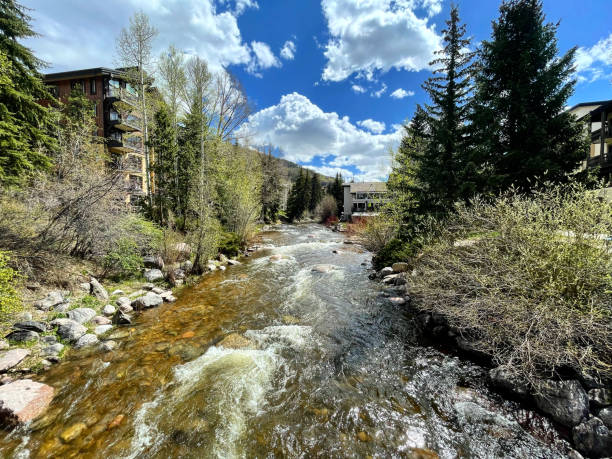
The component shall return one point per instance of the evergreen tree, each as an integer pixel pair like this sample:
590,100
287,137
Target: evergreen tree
439,170
271,188
295,205
26,125
521,128
306,192
315,192
166,151
337,191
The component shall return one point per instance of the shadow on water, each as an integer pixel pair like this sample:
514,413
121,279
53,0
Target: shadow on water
326,367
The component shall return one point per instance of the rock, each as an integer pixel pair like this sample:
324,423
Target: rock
52,299
385,271
39,327
276,257
61,308
151,261
390,279
11,358
211,267
397,300
70,330
400,280
108,310
600,397
101,329
49,339
108,346
81,315
400,267
592,438
6,379
53,350
565,401
223,259
117,292
150,300
99,320
235,341
606,416
116,421
4,344
123,300
121,318
97,290
73,432
157,290
126,308
322,268
23,336
148,286
233,262
179,274
85,286
23,400
505,379
137,293
363,436
88,339
25,316
222,268
186,266
152,275
168,297
188,334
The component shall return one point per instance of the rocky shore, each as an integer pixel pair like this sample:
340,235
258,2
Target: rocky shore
580,405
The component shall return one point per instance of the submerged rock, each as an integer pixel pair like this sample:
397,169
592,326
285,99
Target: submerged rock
23,400
73,432
323,268
235,341
12,358
108,346
565,401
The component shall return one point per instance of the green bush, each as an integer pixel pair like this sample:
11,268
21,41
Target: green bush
392,252
146,235
124,259
230,244
9,297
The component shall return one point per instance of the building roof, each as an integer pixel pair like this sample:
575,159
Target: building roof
84,73
364,187
588,104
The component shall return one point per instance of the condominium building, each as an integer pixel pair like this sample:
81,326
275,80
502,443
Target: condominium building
363,199
597,117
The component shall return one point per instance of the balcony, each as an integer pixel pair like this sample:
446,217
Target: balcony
126,123
122,94
604,160
120,144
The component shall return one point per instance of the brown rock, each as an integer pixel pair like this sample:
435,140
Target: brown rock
363,436
116,421
23,400
189,334
73,432
11,358
235,341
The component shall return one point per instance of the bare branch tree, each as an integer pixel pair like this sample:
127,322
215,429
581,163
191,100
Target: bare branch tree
230,106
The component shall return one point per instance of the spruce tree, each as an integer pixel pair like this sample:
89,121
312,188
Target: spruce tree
315,192
166,152
27,125
521,128
306,192
295,202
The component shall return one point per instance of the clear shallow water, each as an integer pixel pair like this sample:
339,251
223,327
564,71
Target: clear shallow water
331,371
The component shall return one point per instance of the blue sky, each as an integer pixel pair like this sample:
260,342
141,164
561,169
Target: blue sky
330,80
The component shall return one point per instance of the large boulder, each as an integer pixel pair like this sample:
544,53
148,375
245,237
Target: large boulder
39,327
121,318
151,261
565,401
600,397
150,300
152,275
593,438
23,336
81,315
11,358
69,329
23,400
97,290
108,310
606,416
385,271
52,299
505,379
400,267
123,301
88,339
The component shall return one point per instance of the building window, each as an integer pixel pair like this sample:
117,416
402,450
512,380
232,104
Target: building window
54,90
92,86
114,116
78,85
95,109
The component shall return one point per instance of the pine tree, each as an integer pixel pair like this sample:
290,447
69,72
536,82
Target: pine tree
166,151
26,125
306,192
294,203
521,128
315,192
337,191
439,169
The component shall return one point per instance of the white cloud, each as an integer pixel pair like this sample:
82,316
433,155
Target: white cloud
302,130
380,92
377,127
591,62
400,93
288,50
264,58
377,35
203,27
358,89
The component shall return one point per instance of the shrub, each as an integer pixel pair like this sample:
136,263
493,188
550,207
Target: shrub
124,259
526,279
230,244
9,297
376,232
392,252
146,235
327,208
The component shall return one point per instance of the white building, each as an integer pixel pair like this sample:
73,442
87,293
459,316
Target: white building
363,199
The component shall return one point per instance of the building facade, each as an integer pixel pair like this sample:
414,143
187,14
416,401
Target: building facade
117,118
597,117
363,199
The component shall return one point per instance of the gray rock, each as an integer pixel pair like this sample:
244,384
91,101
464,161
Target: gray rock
100,320
52,299
223,259
101,329
565,401
25,316
179,274
108,310
600,397
81,315
168,297
23,400
97,290
70,330
157,290
150,300
211,266
108,346
4,344
11,358
39,327
121,318
390,279
233,262
385,271
23,336
137,293
88,339
470,413
62,307
187,265
118,292
151,261
400,280
400,267
85,286
148,286
592,438
153,275
606,416
53,350
505,379
124,300
126,308
49,339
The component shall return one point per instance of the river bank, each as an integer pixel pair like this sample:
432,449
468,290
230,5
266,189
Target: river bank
295,352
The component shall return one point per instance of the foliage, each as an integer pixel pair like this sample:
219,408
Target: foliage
230,244
124,259
9,296
315,192
393,251
145,234
376,232
327,208
337,191
271,188
526,279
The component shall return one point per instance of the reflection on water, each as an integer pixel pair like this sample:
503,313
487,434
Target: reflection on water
323,367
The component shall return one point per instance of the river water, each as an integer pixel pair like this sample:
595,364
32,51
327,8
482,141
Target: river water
331,369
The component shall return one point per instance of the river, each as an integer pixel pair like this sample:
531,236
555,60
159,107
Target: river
332,370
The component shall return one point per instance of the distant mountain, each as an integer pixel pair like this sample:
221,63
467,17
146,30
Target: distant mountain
293,170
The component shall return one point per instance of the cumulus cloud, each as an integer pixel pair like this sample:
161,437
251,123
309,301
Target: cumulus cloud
203,27
380,92
594,63
400,93
376,127
303,131
358,89
264,58
288,50
377,35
